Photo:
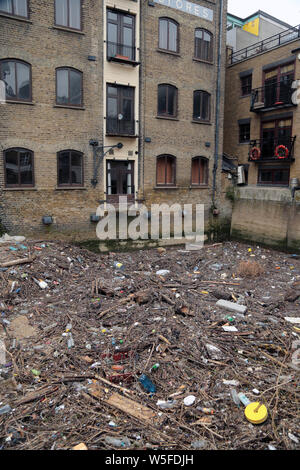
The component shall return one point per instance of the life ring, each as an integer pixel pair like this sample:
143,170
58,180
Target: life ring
278,153
255,153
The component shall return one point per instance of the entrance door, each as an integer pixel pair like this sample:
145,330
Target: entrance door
119,180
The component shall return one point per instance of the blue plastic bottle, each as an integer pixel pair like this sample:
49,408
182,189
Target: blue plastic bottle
147,384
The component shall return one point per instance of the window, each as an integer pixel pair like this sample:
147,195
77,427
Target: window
16,76
120,35
165,170
14,7
70,168
199,171
277,85
18,165
274,133
246,85
203,45
244,132
69,87
167,101
201,106
274,176
68,13
168,35
120,110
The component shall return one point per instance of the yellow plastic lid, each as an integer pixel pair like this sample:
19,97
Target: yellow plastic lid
256,413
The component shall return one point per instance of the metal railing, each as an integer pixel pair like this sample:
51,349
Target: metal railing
116,126
266,149
271,95
267,44
116,51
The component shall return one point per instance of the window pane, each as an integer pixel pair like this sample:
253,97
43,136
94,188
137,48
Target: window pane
6,5
23,77
112,107
161,170
20,7
172,37
163,34
62,87
76,170
64,168
61,12
205,107
127,110
11,166
171,101
75,14
128,20
195,171
162,100
197,105
26,168
75,87
8,75
112,16
112,32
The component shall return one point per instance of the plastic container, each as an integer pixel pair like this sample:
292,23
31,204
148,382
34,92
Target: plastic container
122,442
244,399
155,367
165,405
5,409
147,384
119,266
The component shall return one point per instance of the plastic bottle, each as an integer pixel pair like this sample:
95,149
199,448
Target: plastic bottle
147,384
113,441
166,404
244,399
234,396
207,411
70,340
118,265
155,367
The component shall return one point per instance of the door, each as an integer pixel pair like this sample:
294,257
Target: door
120,180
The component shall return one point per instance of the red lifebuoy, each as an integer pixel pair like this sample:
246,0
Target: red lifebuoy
279,155
255,153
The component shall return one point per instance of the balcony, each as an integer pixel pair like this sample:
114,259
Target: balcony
272,150
272,96
120,53
122,127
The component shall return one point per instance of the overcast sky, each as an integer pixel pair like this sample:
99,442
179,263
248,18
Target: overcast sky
288,10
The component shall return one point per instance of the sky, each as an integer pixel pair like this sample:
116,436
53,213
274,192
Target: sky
287,11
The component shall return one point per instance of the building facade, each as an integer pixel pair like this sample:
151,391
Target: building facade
105,99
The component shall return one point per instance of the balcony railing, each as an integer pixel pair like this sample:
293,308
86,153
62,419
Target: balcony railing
120,52
267,44
280,150
272,96
116,126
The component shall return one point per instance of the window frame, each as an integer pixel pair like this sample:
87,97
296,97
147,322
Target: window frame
273,170
202,92
120,26
17,186
173,163
211,46
206,171
169,20
168,86
17,99
14,15
70,184
245,88
120,98
68,10
69,105
243,141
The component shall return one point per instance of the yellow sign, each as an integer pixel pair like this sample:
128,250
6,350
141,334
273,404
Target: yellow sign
252,27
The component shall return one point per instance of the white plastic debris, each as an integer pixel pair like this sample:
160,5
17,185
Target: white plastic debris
9,238
189,400
229,328
162,272
235,383
295,320
2,353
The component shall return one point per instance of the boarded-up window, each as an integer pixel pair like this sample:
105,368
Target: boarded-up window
199,171
166,165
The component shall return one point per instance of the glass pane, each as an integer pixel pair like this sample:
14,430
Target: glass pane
6,5
11,167
127,42
8,75
20,8
128,20
112,16
23,77
76,170
197,105
271,74
171,101
61,12
75,88
26,168
112,91
112,36
205,107
64,168
199,34
163,34
172,37
162,100
127,110
206,37
75,14
112,107
266,176
287,68
281,176
62,87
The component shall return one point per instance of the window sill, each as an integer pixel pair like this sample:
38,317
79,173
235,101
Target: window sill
203,61
130,136
169,118
29,103
67,188
20,189
68,107
13,17
68,30
244,143
199,186
176,54
207,123
165,187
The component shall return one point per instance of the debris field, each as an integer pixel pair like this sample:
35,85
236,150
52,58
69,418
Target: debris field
149,349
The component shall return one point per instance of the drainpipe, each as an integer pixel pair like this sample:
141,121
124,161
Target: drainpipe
218,99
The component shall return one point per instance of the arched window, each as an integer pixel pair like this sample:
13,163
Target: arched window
16,76
69,87
70,168
14,7
167,100
68,13
166,170
201,108
18,167
199,171
203,45
168,35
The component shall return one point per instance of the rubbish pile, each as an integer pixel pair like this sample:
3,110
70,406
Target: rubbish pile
151,349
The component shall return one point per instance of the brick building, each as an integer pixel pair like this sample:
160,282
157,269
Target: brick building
108,98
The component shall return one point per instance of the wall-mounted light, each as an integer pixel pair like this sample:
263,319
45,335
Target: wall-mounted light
94,218
47,220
